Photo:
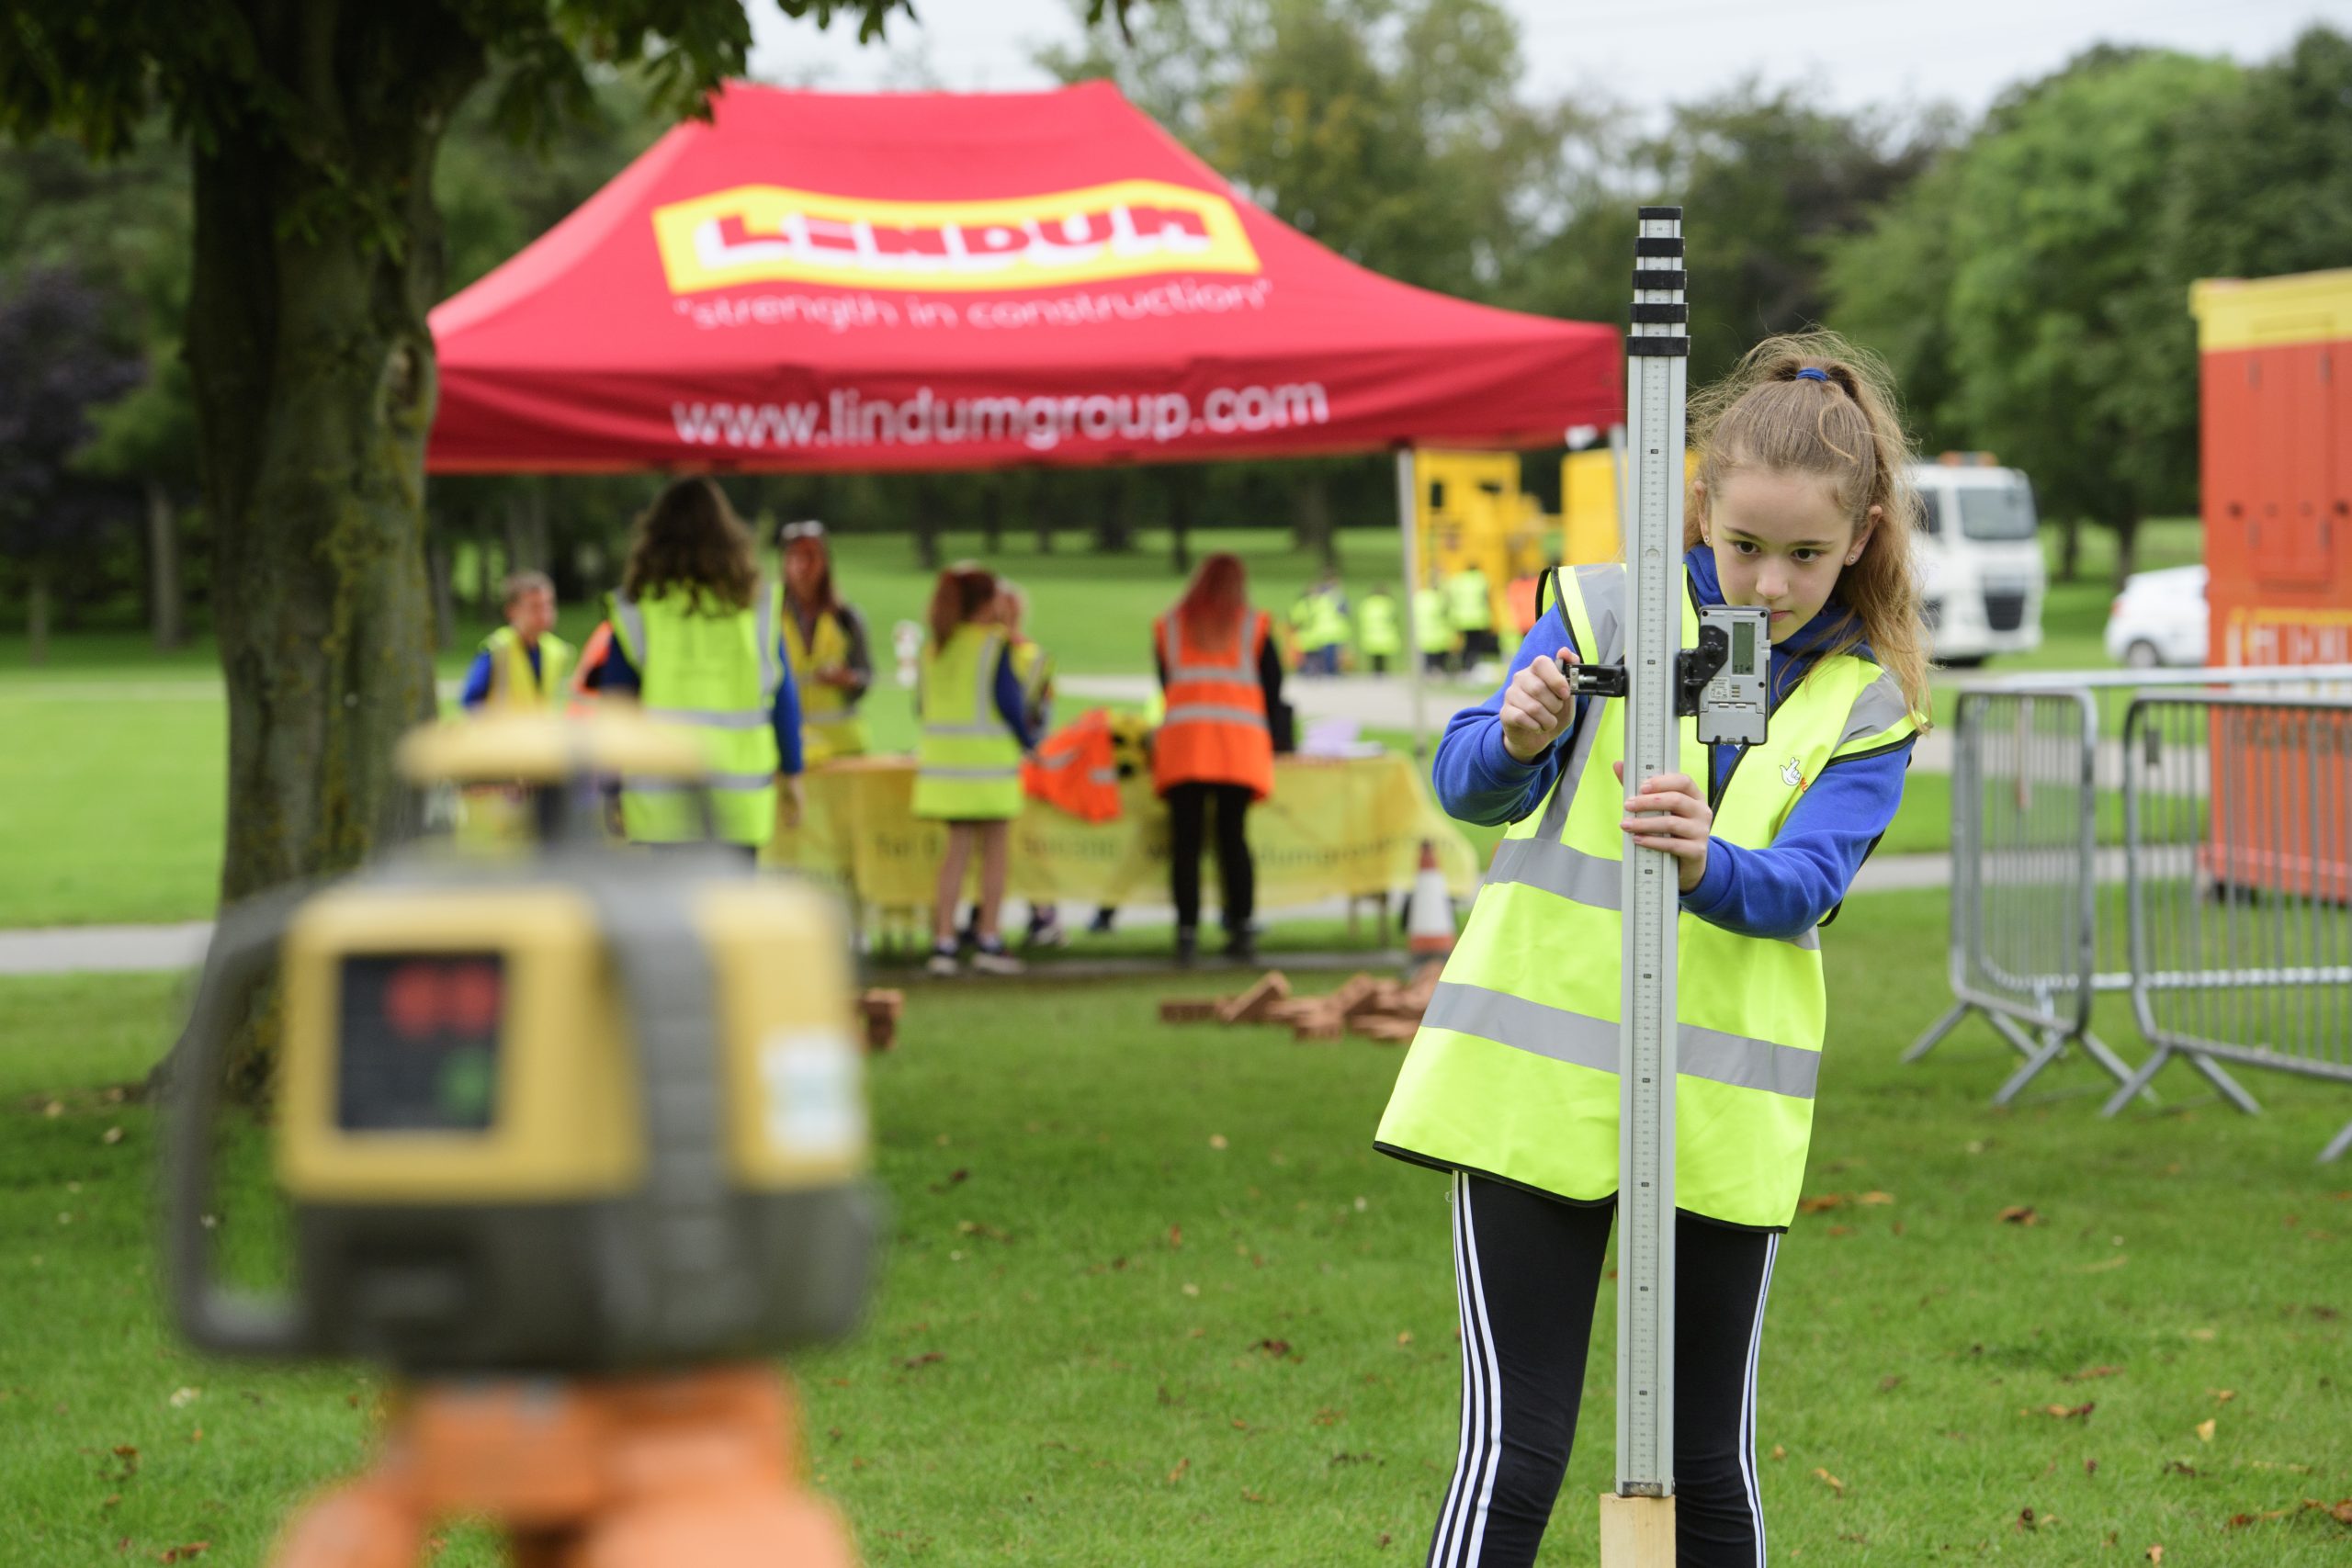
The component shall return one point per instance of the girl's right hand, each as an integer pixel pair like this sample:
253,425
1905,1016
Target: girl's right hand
1538,704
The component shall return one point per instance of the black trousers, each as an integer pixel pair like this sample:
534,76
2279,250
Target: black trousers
1527,1270
1187,824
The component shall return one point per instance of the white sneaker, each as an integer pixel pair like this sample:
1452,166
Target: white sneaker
987,962
942,964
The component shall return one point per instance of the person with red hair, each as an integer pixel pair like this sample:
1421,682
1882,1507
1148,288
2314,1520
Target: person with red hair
1222,675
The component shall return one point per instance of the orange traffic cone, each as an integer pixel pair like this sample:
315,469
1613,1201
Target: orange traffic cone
1428,932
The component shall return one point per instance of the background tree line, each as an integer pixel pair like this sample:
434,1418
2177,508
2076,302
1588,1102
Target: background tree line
2026,273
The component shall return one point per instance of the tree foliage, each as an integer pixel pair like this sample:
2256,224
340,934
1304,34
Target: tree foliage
64,361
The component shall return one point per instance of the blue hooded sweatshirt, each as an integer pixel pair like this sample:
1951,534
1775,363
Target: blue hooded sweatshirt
1780,891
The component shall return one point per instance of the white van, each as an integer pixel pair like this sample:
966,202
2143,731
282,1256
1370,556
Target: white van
1981,575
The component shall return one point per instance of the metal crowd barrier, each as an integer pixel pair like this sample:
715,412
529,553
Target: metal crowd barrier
2039,912
2238,848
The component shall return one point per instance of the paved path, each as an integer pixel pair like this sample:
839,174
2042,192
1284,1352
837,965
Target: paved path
61,950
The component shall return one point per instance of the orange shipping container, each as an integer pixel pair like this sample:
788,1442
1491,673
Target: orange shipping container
2277,504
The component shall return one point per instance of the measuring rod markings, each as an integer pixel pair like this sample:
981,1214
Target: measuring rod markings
1656,361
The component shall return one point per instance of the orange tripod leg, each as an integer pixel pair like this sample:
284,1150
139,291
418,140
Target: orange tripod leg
373,1522
771,1530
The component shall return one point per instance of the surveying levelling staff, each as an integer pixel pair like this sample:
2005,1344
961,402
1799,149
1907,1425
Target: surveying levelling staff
696,640
1224,680
975,734
523,664
1470,605
1380,631
1512,1084
825,636
1434,632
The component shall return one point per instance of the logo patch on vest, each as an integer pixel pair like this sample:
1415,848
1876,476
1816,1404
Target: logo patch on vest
1792,776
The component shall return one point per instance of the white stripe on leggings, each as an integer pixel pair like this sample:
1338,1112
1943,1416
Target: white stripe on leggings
1461,1528
1440,1548
1747,1410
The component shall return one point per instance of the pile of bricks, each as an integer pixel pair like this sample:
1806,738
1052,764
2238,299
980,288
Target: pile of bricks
880,1011
1387,1011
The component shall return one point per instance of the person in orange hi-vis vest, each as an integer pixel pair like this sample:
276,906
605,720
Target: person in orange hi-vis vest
1077,770
1222,675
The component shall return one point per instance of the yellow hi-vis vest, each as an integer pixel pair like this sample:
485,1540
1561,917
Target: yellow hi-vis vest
513,682
967,761
1432,626
1033,667
1513,1073
1326,623
1379,630
830,726
1471,599
717,673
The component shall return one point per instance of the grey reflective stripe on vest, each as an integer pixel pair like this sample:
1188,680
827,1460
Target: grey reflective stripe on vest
1236,673
1563,788
1572,1037
1603,588
717,781
973,773
763,633
1880,707
710,719
1102,776
1569,873
1556,868
1209,713
632,624
987,722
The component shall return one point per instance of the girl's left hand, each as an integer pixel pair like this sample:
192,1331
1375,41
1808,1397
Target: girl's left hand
1682,832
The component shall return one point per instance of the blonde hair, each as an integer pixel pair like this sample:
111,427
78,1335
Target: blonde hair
1848,429
518,583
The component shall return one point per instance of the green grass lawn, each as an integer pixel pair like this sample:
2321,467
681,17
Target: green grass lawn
1151,1298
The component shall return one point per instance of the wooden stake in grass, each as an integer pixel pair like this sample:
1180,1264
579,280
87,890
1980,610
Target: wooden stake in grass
1636,1533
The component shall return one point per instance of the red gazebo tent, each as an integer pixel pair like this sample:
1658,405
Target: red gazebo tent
943,280
946,280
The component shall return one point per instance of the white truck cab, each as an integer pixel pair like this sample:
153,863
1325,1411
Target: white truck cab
1981,572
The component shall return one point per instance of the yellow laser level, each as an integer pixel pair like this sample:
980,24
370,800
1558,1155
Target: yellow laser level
582,1110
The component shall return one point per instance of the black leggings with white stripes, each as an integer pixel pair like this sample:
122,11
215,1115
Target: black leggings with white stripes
1527,1268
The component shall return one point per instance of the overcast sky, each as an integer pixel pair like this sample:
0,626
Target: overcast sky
1852,52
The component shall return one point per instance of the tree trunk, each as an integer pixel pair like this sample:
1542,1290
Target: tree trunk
444,604
527,529
314,389
926,527
487,571
1314,530
166,610
36,612
1115,520
1179,520
2127,545
2070,548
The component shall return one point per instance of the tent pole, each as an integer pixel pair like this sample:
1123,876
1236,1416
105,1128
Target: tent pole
1407,525
1617,476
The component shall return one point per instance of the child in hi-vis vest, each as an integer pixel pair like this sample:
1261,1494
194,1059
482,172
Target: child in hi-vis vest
1799,504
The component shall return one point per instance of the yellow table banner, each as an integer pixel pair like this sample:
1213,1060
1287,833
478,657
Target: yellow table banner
1334,828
